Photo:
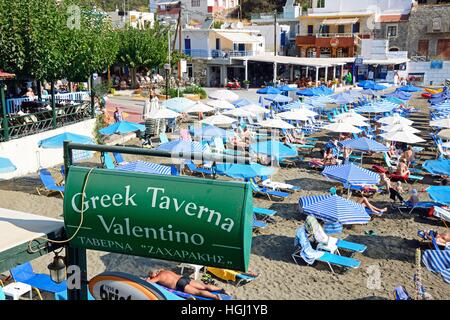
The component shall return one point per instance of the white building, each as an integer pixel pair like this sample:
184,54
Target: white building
194,9
135,19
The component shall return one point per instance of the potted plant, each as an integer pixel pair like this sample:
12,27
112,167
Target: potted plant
246,84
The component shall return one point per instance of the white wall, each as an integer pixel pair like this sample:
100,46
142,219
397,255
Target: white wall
199,40
26,155
266,32
374,49
381,6
438,76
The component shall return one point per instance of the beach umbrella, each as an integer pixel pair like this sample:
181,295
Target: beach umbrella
145,167
351,174
57,141
398,127
410,88
402,136
255,109
182,146
437,167
220,104
268,90
370,92
333,209
364,144
342,127
223,94
278,98
307,112
199,107
209,132
163,113
342,98
287,88
238,112
444,134
293,115
356,122
374,86
276,123
402,95
178,104
122,127
248,171
307,93
219,119
6,166
351,115
440,194
395,119
441,123
273,149
374,108
243,102
365,83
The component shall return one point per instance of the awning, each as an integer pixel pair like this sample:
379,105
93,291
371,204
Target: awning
307,62
237,37
340,21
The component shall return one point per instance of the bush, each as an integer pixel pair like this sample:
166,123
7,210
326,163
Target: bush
196,90
100,123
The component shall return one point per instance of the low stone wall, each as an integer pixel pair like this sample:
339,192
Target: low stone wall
435,76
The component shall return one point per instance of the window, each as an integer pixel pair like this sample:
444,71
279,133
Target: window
325,52
311,53
320,3
190,70
217,43
391,31
310,30
423,47
341,29
195,3
356,27
443,48
325,29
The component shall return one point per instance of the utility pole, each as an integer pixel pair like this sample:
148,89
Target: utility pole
179,44
275,66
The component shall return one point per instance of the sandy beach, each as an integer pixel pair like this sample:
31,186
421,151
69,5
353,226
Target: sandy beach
391,252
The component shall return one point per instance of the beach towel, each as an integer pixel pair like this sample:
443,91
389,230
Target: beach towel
438,261
224,274
308,254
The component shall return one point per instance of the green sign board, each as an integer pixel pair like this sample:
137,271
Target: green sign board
185,219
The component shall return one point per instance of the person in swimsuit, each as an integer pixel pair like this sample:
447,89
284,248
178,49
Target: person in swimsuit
185,284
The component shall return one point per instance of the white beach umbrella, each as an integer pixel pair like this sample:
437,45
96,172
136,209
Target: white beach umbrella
352,115
238,112
441,123
309,113
356,122
219,119
223,94
399,127
395,119
255,109
220,104
402,136
199,107
276,123
444,134
163,113
293,115
342,127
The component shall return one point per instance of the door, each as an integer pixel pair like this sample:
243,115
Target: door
187,46
217,43
310,30
423,47
241,47
443,48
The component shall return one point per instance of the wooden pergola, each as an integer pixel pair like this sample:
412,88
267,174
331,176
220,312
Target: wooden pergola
4,125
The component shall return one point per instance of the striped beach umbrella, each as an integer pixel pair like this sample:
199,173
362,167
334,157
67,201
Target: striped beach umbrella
364,144
332,209
438,261
350,174
183,146
146,167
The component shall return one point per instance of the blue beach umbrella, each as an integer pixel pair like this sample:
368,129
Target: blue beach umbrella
365,83
440,194
410,88
210,132
342,98
182,146
399,95
350,174
122,127
178,104
57,141
333,209
286,88
243,102
307,93
268,90
273,149
145,167
364,144
437,167
375,86
6,166
278,98
248,171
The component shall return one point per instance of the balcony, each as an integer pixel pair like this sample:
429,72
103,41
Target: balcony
217,54
345,40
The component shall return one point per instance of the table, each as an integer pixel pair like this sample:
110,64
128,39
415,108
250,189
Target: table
195,267
17,289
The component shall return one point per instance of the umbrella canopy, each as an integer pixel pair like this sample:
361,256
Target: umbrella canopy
342,127
274,149
223,94
286,88
220,104
178,104
410,88
437,167
208,132
182,146
402,95
243,102
444,134
395,119
364,144
402,136
374,108
200,107
248,171
6,166
351,115
370,92
332,208
293,115
441,123
356,122
219,119
374,86
276,123
146,167
57,141
278,98
122,127
255,109
307,112
440,194
398,127
238,112
350,174
163,113
342,98
364,83
307,93
268,90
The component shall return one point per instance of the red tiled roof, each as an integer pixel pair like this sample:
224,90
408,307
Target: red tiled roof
4,75
394,18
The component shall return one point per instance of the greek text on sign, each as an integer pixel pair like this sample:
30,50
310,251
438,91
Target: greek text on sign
183,219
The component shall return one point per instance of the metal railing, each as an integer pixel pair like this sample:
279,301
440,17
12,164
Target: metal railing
217,54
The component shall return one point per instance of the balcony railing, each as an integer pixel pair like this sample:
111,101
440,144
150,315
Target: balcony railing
217,54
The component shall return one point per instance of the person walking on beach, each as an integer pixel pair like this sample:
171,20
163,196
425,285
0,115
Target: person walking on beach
117,115
185,284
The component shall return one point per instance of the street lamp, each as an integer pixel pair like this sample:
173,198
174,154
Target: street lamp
57,269
167,68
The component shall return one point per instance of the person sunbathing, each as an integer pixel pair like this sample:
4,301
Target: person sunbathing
441,238
408,155
394,190
185,284
402,169
292,139
371,207
329,159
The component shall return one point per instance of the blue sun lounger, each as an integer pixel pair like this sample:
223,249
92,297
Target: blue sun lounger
49,184
267,192
119,159
108,161
304,250
264,212
258,224
194,169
